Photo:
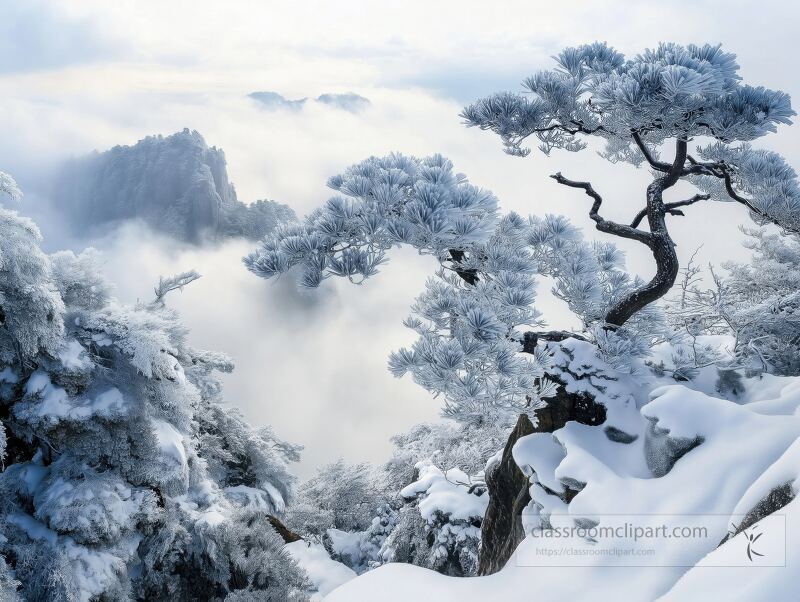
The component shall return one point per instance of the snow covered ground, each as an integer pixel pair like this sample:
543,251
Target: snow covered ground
682,451
324,573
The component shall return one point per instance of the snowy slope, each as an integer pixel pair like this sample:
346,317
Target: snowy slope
738,452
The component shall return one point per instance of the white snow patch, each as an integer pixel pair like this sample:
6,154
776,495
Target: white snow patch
325,573
170,442
73,357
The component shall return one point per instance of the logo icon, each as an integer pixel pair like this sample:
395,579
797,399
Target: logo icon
752,538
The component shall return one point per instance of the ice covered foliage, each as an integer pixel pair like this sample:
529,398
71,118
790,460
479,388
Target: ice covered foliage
446,444
9,586
8,186
382,202
341,496
124,477
31,310
757,302
473,317
662,101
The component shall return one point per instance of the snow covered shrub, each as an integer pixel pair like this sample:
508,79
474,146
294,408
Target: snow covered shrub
466,446
340,496
439,527
348,509
124,477
242,555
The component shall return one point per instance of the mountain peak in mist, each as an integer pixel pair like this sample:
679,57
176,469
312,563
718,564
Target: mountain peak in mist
176,184
272,101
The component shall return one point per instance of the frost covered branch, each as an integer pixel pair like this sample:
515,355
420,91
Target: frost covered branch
603,224
177,282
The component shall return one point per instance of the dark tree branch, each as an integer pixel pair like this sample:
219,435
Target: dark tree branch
654,163
661,245
671,208
468,275
531,338
604,225
676,170
711,168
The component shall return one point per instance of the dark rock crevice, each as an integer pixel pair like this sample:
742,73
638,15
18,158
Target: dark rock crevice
501,530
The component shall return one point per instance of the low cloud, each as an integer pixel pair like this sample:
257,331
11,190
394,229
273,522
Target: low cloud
311,364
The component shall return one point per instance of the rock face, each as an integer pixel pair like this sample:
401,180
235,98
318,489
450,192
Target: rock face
177,185
662,451
501,530
776,499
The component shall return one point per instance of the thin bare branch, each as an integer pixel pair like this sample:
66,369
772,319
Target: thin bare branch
603,224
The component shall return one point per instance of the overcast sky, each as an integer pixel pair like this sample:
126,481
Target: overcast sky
89,74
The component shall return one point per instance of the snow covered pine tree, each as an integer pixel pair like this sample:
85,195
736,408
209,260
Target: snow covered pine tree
123,477
480,339
663,97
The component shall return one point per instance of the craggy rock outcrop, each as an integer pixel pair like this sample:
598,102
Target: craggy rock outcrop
177,185
501,530
662,451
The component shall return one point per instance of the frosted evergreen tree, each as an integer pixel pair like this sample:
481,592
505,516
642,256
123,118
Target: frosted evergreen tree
758,303
123,477
340,496
657,103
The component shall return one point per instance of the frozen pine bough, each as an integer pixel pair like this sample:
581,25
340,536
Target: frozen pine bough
123,475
